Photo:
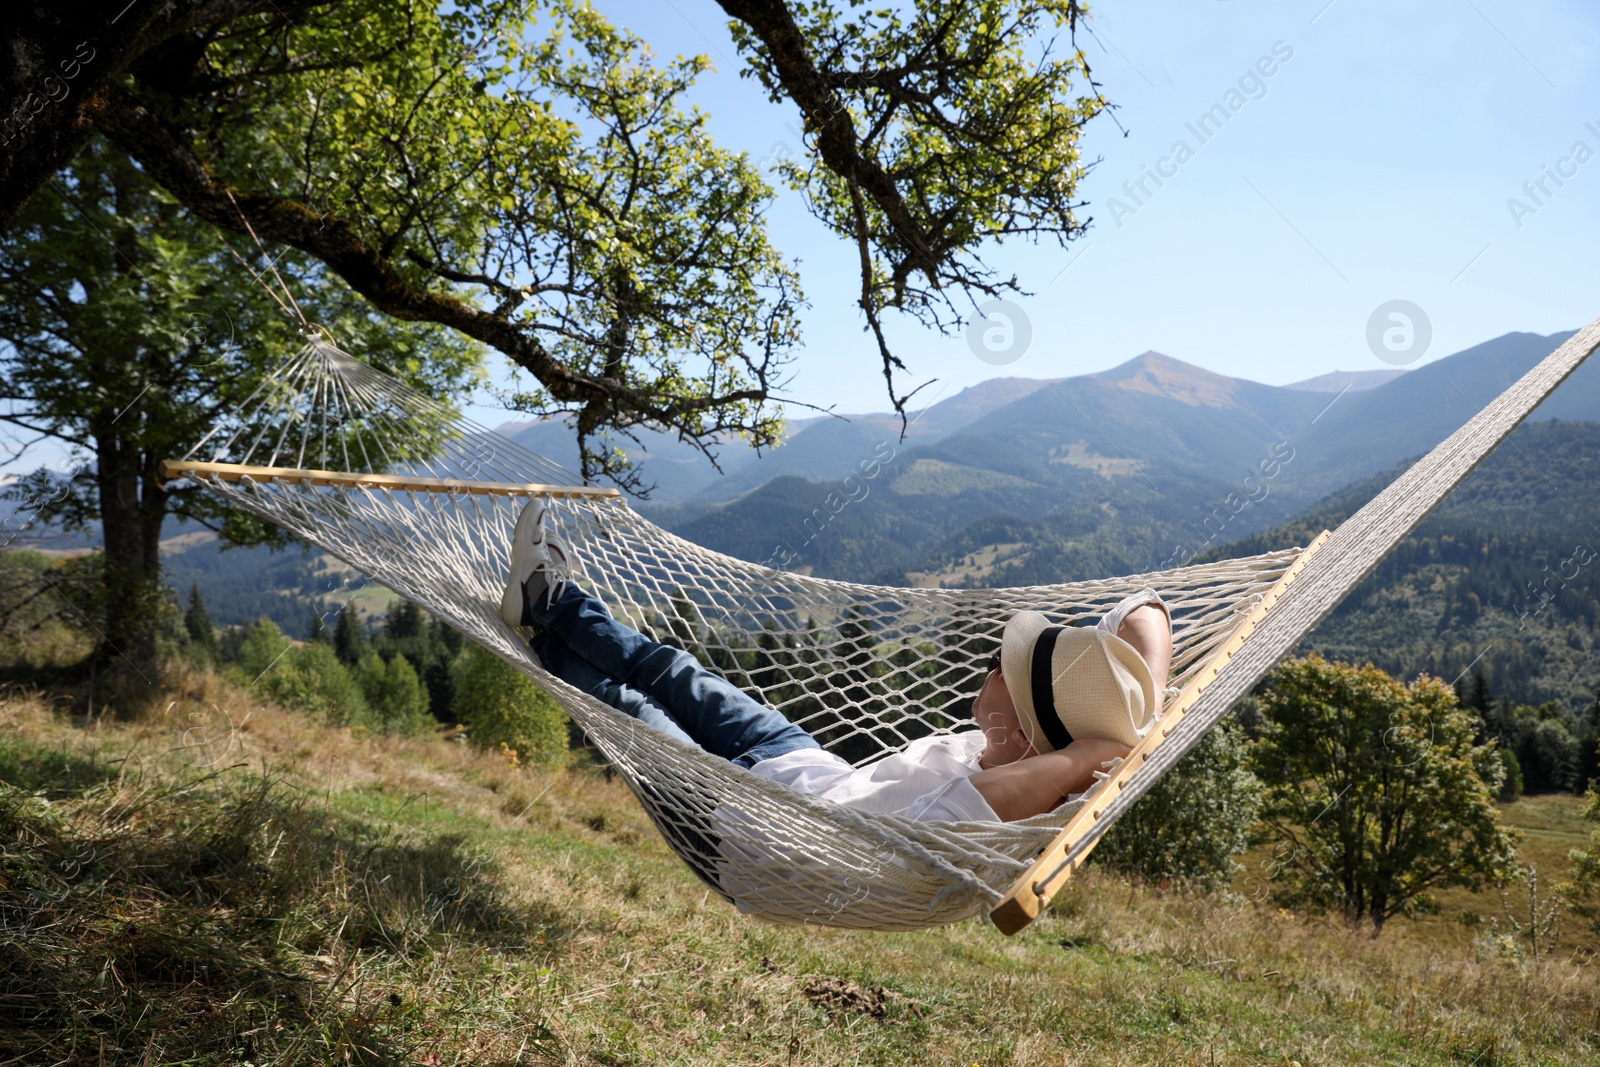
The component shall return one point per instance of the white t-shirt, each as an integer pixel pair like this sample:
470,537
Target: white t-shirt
927,779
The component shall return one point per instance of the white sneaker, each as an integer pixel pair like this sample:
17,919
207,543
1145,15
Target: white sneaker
540,564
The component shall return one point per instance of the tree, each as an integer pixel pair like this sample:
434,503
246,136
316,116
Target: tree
1375,791
349,635
438,674
262,649
197,622
127,333
407,632
1479,699
1194,821
404,621
48,606
541,159
926,136
500,705
1583,891
394,694
1511,776
1589,745
1547,744
59,65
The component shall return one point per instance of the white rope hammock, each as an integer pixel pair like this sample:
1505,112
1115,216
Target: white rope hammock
406,491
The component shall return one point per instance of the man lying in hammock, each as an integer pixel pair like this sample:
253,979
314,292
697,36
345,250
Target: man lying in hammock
1057,702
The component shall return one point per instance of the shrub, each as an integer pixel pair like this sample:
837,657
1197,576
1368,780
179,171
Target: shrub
259,650
1192,822
500,705
311,679
1583,892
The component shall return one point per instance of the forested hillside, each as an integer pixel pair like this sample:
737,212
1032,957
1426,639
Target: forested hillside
1503,578
240,586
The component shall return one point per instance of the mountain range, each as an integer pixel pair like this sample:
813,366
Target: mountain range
1503,578
1152,415
1127,470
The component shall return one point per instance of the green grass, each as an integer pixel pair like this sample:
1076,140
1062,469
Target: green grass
316,896
373,599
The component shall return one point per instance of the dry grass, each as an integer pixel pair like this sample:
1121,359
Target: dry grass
219,881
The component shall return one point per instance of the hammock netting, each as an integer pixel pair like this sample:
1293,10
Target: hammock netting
864,668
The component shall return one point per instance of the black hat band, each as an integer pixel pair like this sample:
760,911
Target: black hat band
1044,690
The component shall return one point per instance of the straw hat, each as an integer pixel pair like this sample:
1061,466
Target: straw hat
1069,681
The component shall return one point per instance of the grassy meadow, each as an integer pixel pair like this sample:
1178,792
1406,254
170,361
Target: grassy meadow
219,881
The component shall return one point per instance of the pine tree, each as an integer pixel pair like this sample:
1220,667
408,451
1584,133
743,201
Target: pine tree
682,624
197,621
446,637
405,621
318,630
769,675
1481,702
349,636
1588,770
393,693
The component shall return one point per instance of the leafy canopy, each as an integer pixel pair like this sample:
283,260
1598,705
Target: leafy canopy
1583,891
529,180
505,709
938,129
527,176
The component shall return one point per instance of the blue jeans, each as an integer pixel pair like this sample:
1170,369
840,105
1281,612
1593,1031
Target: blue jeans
661,686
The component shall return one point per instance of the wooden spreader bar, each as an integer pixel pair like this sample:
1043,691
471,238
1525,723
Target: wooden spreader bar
1030,894
237,472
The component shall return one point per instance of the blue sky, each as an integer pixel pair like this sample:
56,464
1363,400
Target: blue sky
1376,163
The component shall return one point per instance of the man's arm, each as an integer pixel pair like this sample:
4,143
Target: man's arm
1034,786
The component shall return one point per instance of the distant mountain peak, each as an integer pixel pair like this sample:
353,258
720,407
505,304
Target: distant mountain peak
1154,372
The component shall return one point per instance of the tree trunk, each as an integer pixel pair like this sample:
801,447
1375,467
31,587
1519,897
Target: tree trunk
132,507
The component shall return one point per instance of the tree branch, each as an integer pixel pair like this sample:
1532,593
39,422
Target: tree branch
60,62
773,23
332,240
